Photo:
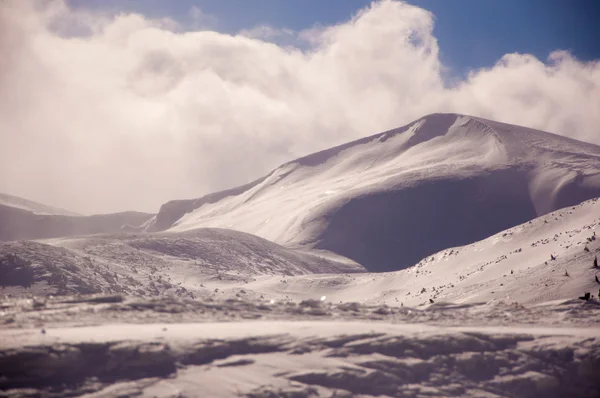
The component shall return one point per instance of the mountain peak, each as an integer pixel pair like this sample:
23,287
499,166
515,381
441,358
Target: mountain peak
390,199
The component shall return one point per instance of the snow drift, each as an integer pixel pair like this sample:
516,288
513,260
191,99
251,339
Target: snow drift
388,200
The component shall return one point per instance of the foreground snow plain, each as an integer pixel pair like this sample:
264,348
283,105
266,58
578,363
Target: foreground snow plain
186,348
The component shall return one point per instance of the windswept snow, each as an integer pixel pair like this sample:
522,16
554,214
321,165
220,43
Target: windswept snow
389,200
304,350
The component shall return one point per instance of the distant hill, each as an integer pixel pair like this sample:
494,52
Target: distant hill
22,219
34,207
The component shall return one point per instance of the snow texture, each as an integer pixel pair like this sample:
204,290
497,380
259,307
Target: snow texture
146,351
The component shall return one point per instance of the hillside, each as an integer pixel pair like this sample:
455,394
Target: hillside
173,264
388,200
515,265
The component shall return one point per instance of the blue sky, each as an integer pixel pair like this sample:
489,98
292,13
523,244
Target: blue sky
471,33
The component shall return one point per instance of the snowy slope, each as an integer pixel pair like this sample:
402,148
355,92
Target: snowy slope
513,266
153,265
389,200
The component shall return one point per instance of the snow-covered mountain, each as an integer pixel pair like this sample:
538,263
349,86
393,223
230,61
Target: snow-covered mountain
389,200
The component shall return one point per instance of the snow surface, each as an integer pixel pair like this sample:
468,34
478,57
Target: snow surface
389,200
140,347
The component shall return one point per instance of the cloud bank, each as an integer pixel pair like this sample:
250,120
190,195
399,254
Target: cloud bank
104,113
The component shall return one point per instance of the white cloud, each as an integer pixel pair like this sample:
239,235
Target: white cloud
133,113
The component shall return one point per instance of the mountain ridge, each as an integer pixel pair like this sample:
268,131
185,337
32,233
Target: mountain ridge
317,158
384,201
442,167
